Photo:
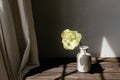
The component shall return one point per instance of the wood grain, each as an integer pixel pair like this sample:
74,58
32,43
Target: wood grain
102,69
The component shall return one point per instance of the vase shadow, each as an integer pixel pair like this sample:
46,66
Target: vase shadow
97,68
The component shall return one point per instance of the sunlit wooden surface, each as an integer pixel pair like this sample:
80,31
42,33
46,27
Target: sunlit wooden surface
102,69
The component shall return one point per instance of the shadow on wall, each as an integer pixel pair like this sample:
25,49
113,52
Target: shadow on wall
98,21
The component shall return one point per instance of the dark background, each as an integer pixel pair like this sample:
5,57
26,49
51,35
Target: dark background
97,20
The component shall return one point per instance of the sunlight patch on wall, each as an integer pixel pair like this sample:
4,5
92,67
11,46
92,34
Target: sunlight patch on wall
106,50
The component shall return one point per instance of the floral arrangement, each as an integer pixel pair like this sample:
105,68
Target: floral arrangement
70,39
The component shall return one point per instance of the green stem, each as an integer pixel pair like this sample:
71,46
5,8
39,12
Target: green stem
80,44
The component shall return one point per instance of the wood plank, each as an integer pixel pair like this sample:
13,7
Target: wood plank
72,69
107,59
107,64
96,76
102,69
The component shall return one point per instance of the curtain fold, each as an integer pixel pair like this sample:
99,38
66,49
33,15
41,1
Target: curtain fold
18,46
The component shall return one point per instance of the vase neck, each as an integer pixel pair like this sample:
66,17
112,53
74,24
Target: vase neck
82,51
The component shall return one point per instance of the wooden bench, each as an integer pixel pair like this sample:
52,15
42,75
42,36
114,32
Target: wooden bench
65,69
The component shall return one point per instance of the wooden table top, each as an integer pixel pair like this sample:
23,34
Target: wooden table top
102,69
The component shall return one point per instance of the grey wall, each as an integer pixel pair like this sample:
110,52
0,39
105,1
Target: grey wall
97,20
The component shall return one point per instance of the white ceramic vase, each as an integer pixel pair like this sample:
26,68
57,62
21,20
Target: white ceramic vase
83,60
